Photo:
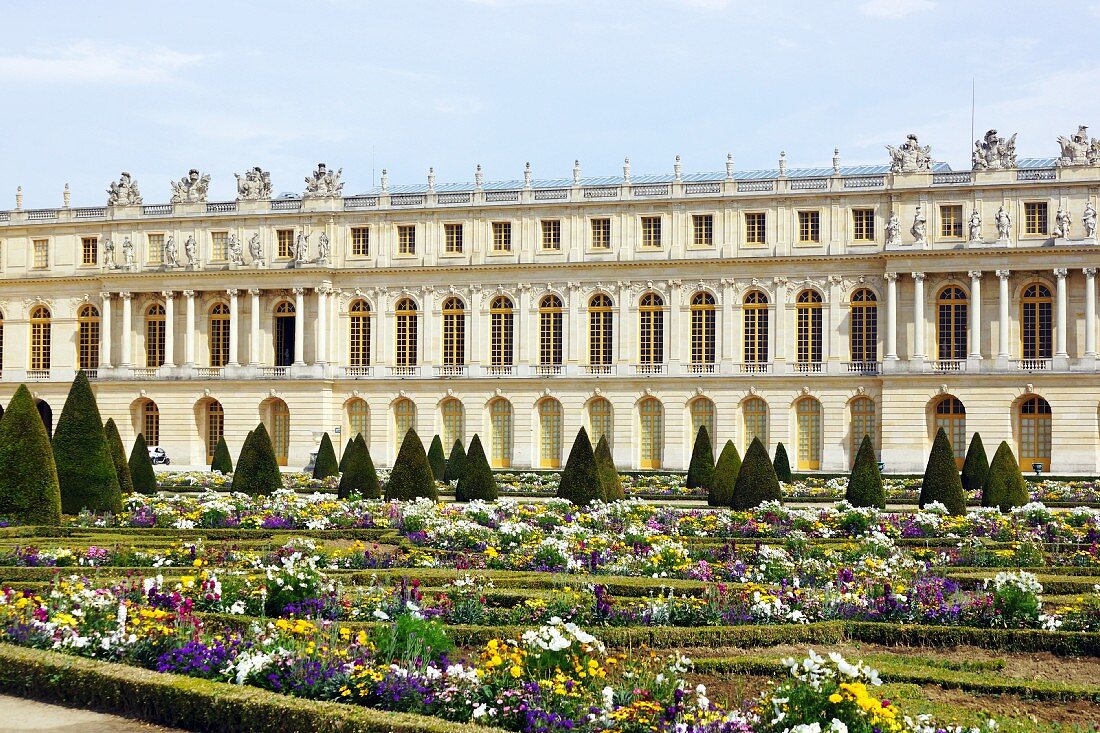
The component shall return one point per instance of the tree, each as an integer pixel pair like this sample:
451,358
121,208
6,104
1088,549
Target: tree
437,460
257,469
118,456
580,480
781,465
456,462
1004,485
865,482
141,468
756,481
344,455
85,469
941,477
701,467
30,493
223,462
609,475
477,480
326,464
411,477
975,466
720,491
358,476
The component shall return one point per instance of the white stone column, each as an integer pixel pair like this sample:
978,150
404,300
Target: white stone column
891,316
672,330
1060,311
234,325
1003,351
779,342
523,336
254,331
105,333
1090,310
169,328
918,316
189,333
127,356
299,326
975,314
322,326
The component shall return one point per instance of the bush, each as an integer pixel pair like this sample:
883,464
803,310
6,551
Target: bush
781,465
975,467
701,467
941,477
609,475
326,464
580,481
30,493
477,480
359,475
85,469
1004,485
865,483
344,455
118,457
257,469
412,476
756,481
456,462
223,462
720,491
437,460
141,468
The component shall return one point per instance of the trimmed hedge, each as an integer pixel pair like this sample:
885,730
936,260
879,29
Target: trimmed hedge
720,491
941,477
701,468
411,477
257,468
326,464
756,481
782,465
437,460
580,480
477,480
30,492
865,483
118,457
609,475
222,460
85,469
975,466
141,468
456,462
359,476
1004,485
344,455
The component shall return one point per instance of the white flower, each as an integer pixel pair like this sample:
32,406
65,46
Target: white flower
381,615
837,726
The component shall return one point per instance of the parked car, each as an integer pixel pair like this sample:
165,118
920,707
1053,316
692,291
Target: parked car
157,455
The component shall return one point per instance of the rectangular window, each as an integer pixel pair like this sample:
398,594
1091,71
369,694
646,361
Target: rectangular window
651,232
601,234
1035,217
951,221
551,235
155,255
863,225
219,246
809,226
285,240
360,241
41,253
89,250
755,227
453,236
702,226
406,239
502,236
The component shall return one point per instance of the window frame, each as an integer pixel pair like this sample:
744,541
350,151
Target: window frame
359,241
808,226
648,225
601,226
454,238
406,240
755,228
868,227
500,237
958,224
702,231
1026,232
85,260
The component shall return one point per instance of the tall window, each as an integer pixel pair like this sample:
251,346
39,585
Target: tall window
809,226
702,328
652,423
87,319
756,327
651,232
452,238
550,432
1035,217
755,227
702,415
41,253
600,421
601,234
863,423
454,422
359,419
405,354
599,331
502,236
1035,432
551,235
863,335
863,225
500,416
755,412
150,422
215,427
154,336
952,311
404,420
651,329
219,335
454,332
550,331
808,412
89,250
808,319
155,249
219,246
406,239
360,241
359,334
284,239
1036,329
702,230
284,333
280,430
500,332
40,337
951,221
951,416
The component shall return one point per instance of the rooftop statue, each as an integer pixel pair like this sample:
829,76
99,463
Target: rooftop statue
994,153
191,188
255,185
1078,149
124,192
911,157
323,183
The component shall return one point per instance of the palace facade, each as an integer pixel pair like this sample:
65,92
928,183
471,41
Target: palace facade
804,305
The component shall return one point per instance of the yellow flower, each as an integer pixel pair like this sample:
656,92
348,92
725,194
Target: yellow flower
516,671
835,698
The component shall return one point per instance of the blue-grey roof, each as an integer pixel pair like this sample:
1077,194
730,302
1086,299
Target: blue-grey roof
1036,162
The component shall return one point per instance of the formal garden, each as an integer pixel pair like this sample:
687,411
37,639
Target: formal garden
444,596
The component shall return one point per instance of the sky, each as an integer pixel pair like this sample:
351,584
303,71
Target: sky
88,90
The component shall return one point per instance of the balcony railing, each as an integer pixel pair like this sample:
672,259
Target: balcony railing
948,365
756,367
809,367
143,373
598,370
650,369
91,374
701,368
1033,365
208,372
548,370
38,375
404,371
358,372
500,370
864,367
274,372
450,370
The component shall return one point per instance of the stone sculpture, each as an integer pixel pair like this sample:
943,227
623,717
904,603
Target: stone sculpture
191,188
910,157
323,183
1088,220
301,247
1079,149
920,225
109,254
893,230
1062,223
236,251
170,252
1004,225
256,249
994,153
975,226
322,247
255,185
128,253
124,192
190,249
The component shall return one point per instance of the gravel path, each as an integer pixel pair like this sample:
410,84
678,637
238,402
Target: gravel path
18,714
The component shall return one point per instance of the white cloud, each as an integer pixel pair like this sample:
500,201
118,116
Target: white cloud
86,61
894,9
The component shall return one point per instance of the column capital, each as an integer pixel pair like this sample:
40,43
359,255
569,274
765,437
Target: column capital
780,281
890,277
918,276
232,292
1088,271
974,274
189,293
167,294
1060,272
125,294
1003,274
105,295
298,291
254,292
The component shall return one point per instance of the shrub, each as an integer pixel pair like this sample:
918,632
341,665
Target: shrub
456,462
344,455
580,480
975,466
359,476
141,468
720,491
609,475
1004,485
701,467
223,462
941,477
118,457
477,480
30,493
782,465
257,469
865,483
412,476
437,460
756,481
85,469
326,464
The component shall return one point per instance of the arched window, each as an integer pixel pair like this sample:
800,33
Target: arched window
600,331
1035,433
550,432
808,319
405,354
651,415
280,430
1036,325
550,331
154,336
808,414
755,412
863,334
863,423
454,332
454,422
500,416
359,333
40,338
87,319
284,333
651,329
150,422
214,420
951,416
500,332
219,335
600,421
756,327
358,419
702,329
702,415
404,420
952,309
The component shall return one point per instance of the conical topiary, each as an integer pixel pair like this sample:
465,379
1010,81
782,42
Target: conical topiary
580,480
941,477
118,456
720,491
456,462
756,481
223,461
344,455
141,468
701,467
29,493
975,466
257,468
326,464
411,477
1004,486
436,459
865,482
477,480
85,469
781,465
609,474
358,476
